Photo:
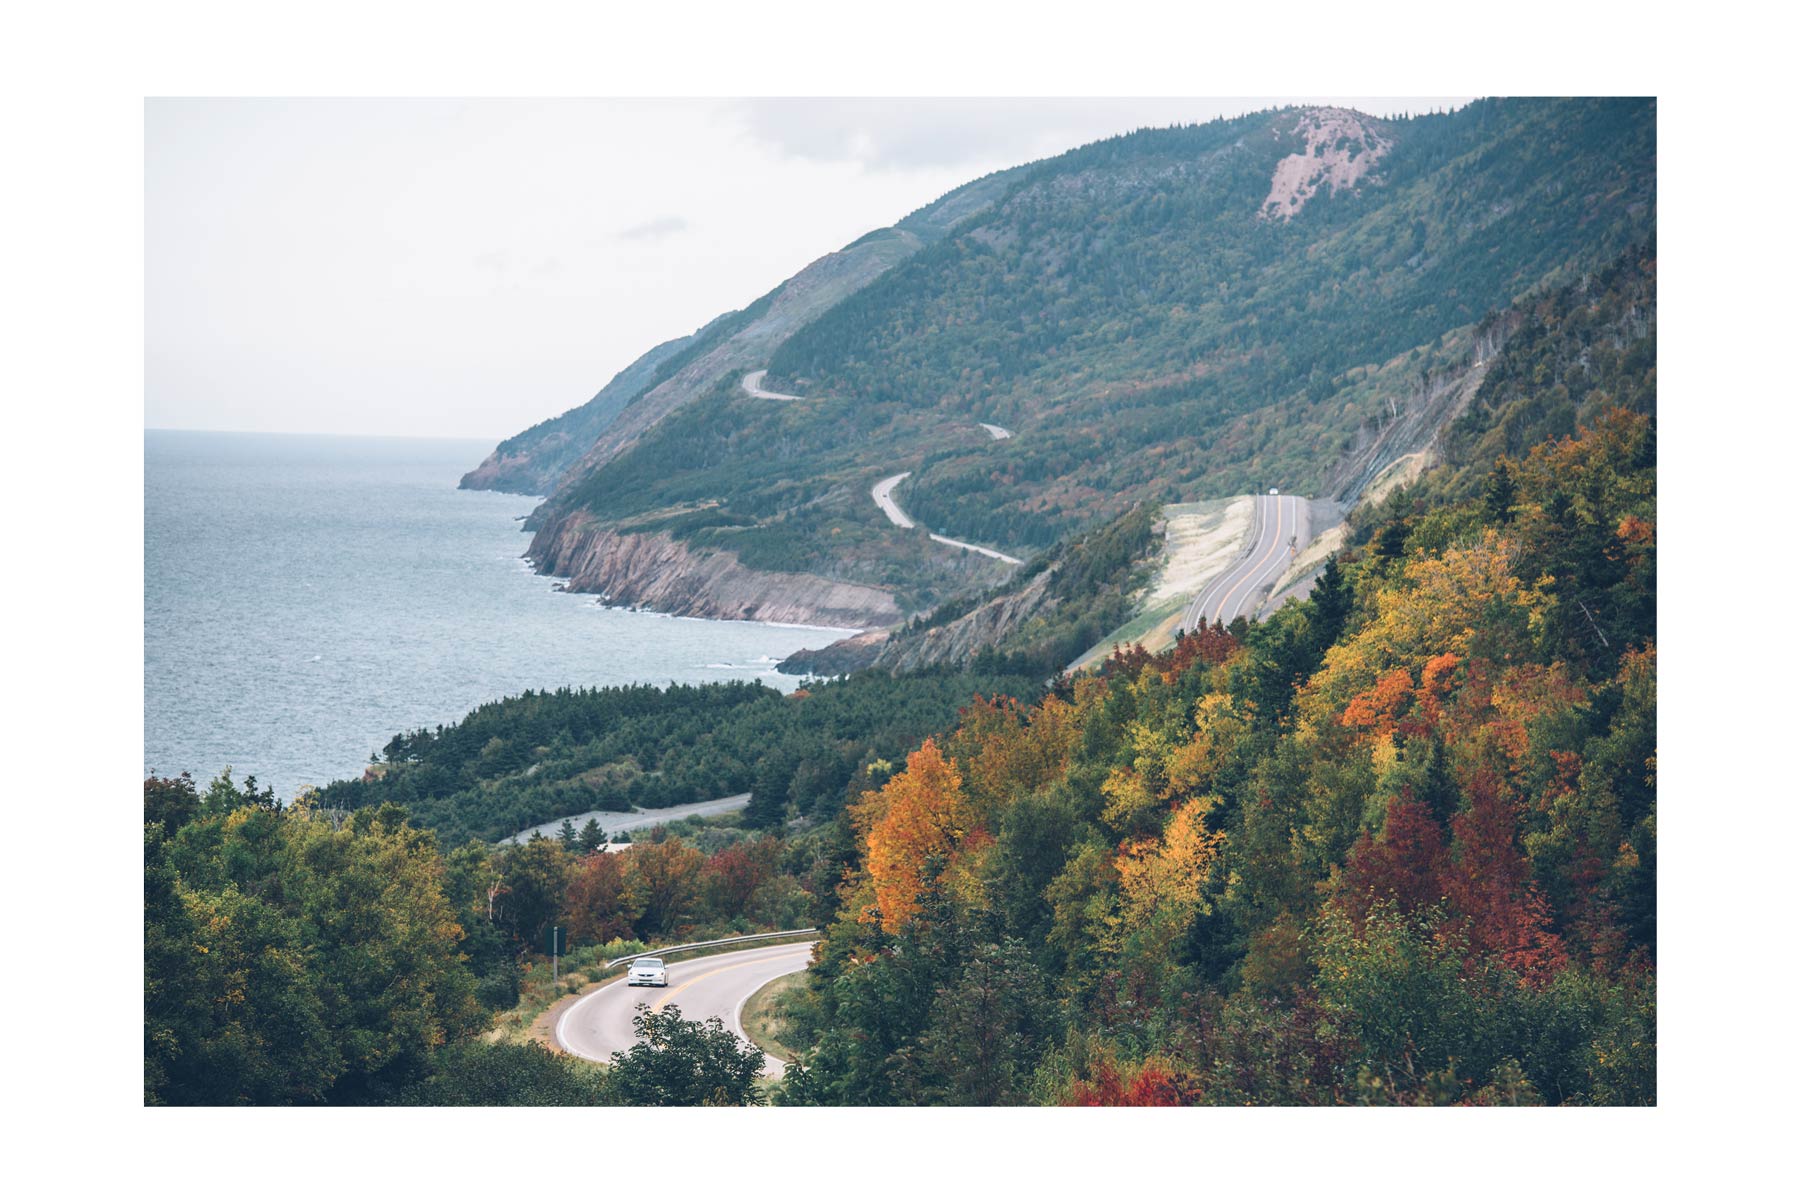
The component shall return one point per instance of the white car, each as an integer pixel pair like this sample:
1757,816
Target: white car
648,970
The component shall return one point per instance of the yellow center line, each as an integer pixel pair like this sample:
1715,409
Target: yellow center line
669,994
1280,517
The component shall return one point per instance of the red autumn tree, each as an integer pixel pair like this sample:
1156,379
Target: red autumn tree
1151,1083
1407,863
733,875
598,906
1490,885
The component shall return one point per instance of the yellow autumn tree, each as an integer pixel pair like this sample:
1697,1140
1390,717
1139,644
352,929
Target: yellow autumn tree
1004,749
1464,600
1160,880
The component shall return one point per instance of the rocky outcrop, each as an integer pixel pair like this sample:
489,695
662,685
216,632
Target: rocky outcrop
657,572
955,642
840,658
1415,418
1341,147
987,625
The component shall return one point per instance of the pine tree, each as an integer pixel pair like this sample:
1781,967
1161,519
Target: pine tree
1500,495
1331,598
592,837
565,834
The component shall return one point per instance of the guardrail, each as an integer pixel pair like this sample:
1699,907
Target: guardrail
688,947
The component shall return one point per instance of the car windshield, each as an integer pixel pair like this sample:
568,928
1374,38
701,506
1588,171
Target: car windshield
647,963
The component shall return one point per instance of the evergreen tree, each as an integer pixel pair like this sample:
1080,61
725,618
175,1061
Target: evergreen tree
1331,598
1497,502
769,795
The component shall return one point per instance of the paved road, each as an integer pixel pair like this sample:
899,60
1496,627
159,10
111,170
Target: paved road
614,821
710,987
1281,532
753,385
883,492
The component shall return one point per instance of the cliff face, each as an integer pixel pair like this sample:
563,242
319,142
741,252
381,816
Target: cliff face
656,572
955,642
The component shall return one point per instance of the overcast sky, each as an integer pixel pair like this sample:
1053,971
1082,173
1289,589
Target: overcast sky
467,268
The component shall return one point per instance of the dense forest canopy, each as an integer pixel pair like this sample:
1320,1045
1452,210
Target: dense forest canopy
529,759
1397,845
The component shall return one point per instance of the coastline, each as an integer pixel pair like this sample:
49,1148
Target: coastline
657,573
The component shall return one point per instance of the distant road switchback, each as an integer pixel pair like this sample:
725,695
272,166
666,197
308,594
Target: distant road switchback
599,1024
883,492
614,821
1283,527
752,384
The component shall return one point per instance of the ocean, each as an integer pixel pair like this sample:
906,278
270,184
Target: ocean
306,597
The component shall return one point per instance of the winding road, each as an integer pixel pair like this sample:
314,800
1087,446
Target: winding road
1282,528
599,1023
753,385
883,492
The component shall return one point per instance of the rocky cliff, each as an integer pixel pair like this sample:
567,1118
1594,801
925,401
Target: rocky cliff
654,571
957,641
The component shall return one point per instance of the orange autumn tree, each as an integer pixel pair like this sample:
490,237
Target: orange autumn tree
1003,749
920,816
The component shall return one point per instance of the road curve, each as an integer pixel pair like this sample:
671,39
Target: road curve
599,1023
883,492
1281,522
752,384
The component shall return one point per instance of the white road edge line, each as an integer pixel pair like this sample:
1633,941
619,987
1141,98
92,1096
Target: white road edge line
737,1014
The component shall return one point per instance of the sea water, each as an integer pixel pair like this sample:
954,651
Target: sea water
307,597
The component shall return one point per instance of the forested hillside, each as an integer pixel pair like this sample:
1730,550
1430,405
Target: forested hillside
529,759
293,955
1175,314
1396,845
1393,844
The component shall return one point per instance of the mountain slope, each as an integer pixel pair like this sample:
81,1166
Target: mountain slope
674,372
533,461
1170,315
